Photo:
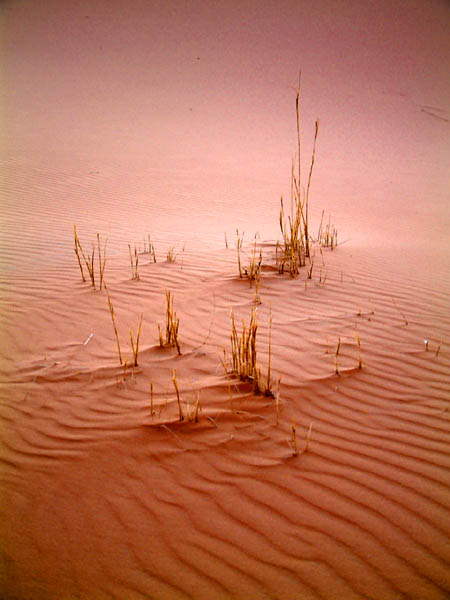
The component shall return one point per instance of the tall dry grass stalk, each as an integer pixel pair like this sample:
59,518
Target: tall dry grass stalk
239,241
257,297
111,311
336,354
295,228
277,400
293,443
134,262
269,364
135,345
148,249
172,325
152,411
358,341
177,391
308,437
101,261
78,249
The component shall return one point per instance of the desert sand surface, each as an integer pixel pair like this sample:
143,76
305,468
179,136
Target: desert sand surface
167,126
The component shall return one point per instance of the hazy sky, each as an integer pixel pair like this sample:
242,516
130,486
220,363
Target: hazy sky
164,70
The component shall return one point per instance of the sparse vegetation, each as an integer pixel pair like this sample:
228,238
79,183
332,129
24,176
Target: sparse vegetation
135,345
134,261
239,241
89,260
327,237
358,341
177,391
111,310
149,247
292,443
293,252
171,256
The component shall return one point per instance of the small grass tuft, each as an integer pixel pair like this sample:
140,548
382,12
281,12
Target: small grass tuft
172,325
243,350
328,236
171,256
134,261
244,355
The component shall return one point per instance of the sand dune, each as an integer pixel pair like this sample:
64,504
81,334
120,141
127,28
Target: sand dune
177,121
115,502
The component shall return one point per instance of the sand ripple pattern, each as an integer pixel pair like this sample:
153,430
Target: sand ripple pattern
102,500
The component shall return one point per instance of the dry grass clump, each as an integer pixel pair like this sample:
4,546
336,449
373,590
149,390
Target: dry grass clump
253,271
243,350
328,236
244,355
172,326
89,261
171,256
187,411
295,249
